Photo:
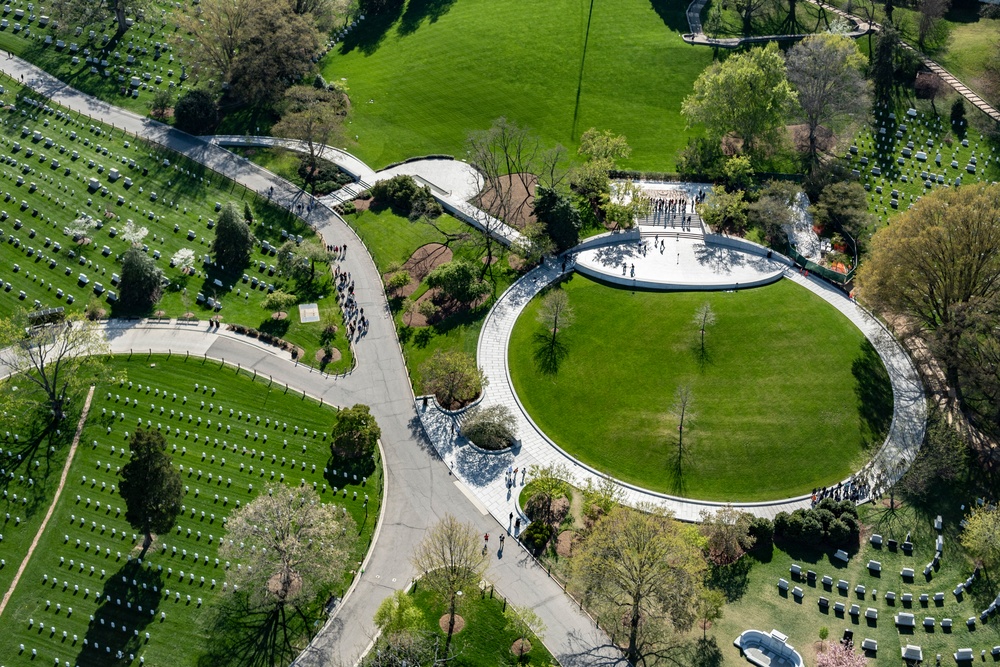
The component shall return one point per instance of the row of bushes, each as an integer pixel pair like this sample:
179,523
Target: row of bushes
829,523
406,197
264,337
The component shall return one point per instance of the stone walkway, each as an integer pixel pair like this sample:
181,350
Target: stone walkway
485,472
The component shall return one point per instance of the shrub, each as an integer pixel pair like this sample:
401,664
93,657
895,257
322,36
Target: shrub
195,112
348,208
830,522
762,530
536,536
490,428
403,194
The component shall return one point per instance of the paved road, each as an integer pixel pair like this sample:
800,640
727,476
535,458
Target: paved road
420,488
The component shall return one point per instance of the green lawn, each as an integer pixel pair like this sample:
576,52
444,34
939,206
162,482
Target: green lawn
421,83
484,641
91,512
392,238
176,199
786,382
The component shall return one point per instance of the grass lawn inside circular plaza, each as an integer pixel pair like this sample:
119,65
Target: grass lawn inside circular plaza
787,396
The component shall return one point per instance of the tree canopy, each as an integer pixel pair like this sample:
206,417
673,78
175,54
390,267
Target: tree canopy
453,377
748,95
356,432
491,427
458,280
981,535
559,216
315,116
233,241
150,486
141,280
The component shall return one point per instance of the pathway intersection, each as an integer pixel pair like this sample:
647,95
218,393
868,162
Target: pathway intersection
427,474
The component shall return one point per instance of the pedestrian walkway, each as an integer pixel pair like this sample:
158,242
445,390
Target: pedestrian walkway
485,473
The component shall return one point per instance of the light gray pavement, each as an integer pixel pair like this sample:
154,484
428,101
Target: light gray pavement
800,231
420,489
485,473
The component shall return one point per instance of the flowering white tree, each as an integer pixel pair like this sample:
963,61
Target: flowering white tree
183,259
80,228
134,234
839,655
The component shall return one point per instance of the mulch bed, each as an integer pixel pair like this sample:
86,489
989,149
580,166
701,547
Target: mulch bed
521,196
520,647
459,623
362,204
423,260
323,359
280,315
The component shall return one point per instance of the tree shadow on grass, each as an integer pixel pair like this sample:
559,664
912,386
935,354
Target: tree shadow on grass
732,580
37,441
418,10
548,352
128,605
676,483
367,35
340,471
246,636
874,392
672,13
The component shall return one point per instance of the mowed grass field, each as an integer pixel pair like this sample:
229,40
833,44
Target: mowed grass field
86,548
420,81
787,396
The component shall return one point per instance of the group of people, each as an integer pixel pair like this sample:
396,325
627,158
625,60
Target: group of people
354,316
856,489
675,209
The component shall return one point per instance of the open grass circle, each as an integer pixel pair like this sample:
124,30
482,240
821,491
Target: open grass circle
788,395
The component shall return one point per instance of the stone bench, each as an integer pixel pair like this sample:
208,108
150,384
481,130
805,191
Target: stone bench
874,566
964,655
871,613
869,645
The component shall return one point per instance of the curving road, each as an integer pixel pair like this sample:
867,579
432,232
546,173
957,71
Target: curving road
420,488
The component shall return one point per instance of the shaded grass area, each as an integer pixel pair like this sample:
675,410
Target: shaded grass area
484,642
784,380
392,238
720,19
557,67
183,637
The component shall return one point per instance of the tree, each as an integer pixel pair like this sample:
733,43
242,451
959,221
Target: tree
710,606
398,614
141,283
451,561
458,280
883,66
58,359
161,103
738,173
522,621
80,228
72,13
725,212
704,317
133,233
356,433
548,482
217,31
727,534
298,260
278,300
183,259
681,409
941,461
491,428
290,544
559,216
196,112
555,312
827,71
641,576
981,535
748,9
931,13
840,655
748,94
625,205
843,208
314,116
591,180
233,241
773,210
150,486
935,261
958,114
397,281
453,377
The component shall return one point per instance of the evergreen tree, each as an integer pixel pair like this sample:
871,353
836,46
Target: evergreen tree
233,240
141,280
150,486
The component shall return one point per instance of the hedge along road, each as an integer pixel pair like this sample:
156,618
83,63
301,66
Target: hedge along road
420,489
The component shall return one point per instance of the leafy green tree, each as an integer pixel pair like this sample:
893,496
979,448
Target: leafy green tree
356,433
162,101
710,606
314,116
591,180
398,281
773,210
827,71
748,94
626,205
522,621
843,208
150,486
738,172
72,13
458,280
398,613
559,216
298,260
233,241
141,283
453,377
727,534
60,360
981,535
725,212
491,428
548,483
196,112
452,561
641,576
278,300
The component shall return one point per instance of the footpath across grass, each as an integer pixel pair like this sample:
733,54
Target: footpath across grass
88,546
420,80
787,396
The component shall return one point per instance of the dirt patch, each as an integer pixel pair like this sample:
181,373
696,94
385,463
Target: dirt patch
362,204
565,542
323,359
520,647
280,315
826,140
517,190
423,260
275,585
559,510
459,624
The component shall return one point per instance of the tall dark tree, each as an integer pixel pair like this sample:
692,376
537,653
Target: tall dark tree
141,280
883,66
196,112
150,486
233,240
356,433
559,216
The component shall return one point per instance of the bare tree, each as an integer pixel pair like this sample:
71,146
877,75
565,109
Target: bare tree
704,317
217,28
748,9
59,359
451,561
555,312
931,13
682,410
314,116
